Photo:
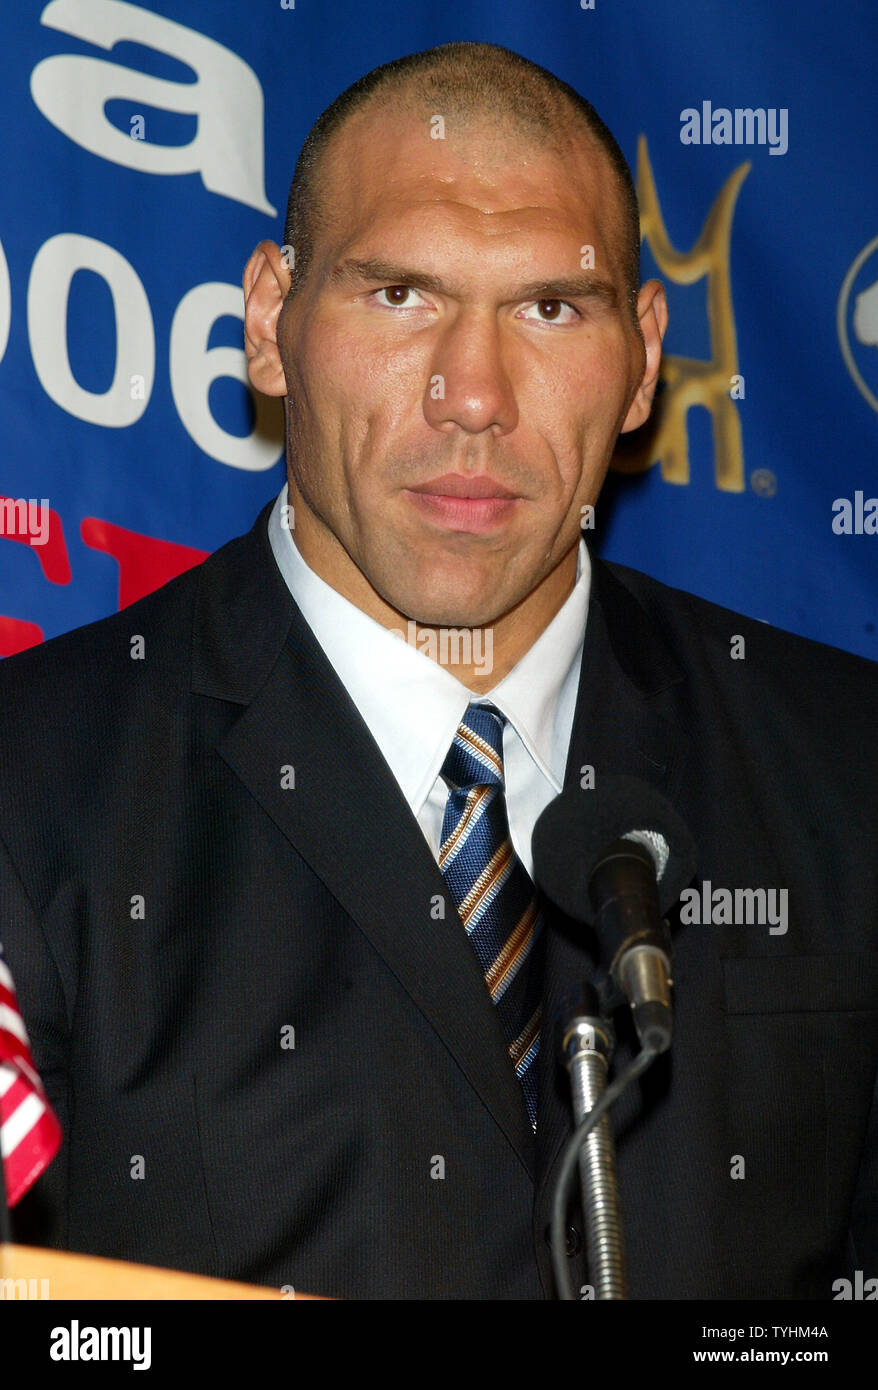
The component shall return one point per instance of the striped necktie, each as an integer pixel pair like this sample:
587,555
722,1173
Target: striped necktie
491,888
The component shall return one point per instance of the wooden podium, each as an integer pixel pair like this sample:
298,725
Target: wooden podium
55,1274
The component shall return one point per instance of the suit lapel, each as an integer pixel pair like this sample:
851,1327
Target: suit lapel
345,815
617,729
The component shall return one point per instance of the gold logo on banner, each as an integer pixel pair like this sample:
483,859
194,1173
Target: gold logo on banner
689,381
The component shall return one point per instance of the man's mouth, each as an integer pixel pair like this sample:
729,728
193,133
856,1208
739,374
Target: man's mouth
475,505
456,485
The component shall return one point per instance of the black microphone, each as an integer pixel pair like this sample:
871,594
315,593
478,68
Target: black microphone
617,858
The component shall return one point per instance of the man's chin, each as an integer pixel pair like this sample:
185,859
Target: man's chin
470,613
444,595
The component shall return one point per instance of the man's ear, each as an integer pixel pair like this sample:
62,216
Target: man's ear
652,315
266,282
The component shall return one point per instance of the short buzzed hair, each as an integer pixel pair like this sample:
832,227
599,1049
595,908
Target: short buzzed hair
465,80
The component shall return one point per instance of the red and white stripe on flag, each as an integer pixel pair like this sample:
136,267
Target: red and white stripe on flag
30,1134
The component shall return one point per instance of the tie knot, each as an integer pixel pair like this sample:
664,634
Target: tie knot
475,757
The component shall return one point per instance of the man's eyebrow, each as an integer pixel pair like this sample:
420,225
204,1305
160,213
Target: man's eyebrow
572,287
587,286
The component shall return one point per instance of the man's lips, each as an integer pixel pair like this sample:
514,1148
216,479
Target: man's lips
456,485
474,505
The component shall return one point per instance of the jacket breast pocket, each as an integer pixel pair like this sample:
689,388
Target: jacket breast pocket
801,984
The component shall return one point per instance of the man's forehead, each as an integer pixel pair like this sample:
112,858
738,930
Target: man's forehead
406,202
378,161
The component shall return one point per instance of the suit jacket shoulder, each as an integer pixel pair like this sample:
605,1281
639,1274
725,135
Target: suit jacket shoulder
696,626
780,698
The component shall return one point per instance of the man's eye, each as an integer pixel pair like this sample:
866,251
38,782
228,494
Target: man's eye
551,311
398,296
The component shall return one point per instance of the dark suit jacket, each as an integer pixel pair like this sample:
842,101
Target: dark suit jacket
159,1029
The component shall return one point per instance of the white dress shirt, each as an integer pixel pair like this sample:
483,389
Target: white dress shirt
412,706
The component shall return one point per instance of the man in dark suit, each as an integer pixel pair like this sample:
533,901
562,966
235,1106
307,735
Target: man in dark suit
265,869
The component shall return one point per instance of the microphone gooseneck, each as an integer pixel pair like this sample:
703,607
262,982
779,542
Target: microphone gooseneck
616,860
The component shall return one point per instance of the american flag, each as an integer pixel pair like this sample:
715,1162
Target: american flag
30,1135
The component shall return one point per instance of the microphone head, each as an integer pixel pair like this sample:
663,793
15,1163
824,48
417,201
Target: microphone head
656,846
578,826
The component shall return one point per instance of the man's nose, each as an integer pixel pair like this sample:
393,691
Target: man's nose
469,384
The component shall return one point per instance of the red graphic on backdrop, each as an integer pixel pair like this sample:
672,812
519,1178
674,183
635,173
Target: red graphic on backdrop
145,564
17,636
52,555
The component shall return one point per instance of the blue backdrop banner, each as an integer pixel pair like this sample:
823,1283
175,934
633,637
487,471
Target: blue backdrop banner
149,147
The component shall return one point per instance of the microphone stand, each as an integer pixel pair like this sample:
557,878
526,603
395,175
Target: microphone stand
587,1046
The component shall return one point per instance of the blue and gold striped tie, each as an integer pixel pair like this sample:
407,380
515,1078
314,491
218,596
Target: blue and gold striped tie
491,888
